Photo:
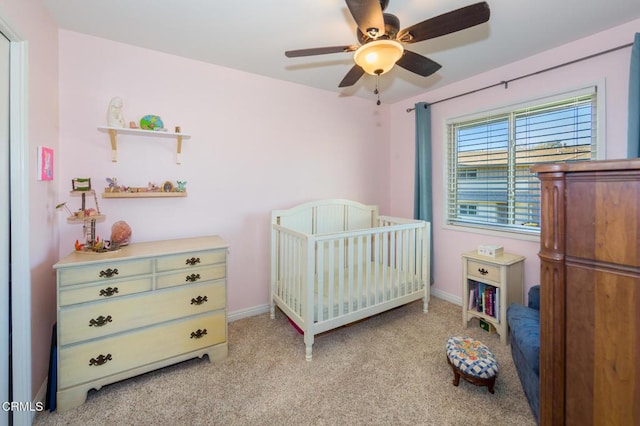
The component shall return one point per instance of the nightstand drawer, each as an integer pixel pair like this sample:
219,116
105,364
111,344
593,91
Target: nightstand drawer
104,291
103,272
101,319
190,260
190,276
483,271
89,361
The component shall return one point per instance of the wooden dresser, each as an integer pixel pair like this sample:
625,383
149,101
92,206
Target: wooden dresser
143,307
590,293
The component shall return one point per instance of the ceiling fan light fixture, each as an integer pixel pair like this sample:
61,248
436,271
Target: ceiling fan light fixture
378,56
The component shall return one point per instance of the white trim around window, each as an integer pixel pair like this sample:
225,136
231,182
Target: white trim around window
510,219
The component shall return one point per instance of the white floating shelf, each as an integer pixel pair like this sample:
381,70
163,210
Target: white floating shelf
113,135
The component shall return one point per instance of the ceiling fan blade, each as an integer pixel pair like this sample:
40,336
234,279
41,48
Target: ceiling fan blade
319,51
418,64
352,76
446,23
368,16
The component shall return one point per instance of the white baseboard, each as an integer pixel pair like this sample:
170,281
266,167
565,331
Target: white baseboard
41,396
457,300
249,312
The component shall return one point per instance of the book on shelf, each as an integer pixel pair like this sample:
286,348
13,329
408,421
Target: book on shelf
472,298
484,298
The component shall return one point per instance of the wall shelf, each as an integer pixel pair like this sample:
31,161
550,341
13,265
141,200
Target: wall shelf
148,194
113,135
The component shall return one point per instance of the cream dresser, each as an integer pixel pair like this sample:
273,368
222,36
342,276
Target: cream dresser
143,307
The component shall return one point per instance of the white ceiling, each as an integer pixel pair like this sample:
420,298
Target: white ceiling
252,35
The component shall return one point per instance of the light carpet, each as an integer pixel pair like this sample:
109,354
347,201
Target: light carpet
390,369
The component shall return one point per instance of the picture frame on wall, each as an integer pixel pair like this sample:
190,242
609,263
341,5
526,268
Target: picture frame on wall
45,163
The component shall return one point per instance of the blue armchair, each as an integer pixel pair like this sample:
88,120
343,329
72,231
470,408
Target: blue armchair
524,335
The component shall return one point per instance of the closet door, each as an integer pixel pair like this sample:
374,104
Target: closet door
5,299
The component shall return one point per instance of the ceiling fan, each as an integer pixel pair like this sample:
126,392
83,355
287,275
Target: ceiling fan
381,40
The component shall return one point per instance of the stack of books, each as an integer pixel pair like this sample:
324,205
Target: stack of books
484,298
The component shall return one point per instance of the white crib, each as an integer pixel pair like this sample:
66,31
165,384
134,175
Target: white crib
336,261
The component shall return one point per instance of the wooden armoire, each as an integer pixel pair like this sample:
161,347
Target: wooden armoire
590,293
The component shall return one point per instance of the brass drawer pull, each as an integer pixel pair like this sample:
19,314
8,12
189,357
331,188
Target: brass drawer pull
109,291
199,300
483,271
100,321
101,360
193,277
198,334
192,261
109,273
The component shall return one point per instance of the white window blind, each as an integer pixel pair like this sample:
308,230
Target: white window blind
489,160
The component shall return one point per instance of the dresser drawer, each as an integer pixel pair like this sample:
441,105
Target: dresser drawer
190,276
190,260
483,271
99,319
93,360
103,271
113,289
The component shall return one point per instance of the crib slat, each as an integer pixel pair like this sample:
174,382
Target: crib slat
331,276
375,259
385,257
341,276
368,280
360,264
350,270
319,284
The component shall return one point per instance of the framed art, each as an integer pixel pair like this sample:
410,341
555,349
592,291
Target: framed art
45,163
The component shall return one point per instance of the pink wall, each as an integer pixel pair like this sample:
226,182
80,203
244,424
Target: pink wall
612,69
257,144
32,23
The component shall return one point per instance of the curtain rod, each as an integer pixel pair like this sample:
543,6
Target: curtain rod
505,83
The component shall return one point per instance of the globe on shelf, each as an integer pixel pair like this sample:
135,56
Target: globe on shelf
151,122
120,233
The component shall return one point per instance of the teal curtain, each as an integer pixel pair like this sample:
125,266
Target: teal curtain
633,141
423,194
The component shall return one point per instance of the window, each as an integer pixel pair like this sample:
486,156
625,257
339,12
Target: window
489,159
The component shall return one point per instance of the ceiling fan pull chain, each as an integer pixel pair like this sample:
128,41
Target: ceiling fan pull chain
377,92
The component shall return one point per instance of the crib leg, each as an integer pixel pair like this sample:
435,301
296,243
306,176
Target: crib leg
308,355
273,311
308,342
425,305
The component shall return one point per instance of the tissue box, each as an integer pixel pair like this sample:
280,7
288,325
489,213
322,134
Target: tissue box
490,250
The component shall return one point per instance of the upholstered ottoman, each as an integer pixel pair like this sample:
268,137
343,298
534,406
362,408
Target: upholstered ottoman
473,361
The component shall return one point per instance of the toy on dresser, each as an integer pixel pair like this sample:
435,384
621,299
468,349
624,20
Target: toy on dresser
88,217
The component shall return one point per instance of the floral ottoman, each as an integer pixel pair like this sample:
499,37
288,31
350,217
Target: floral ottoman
473,361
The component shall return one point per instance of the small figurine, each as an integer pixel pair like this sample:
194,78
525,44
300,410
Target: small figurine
181,185
113,184
114,113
